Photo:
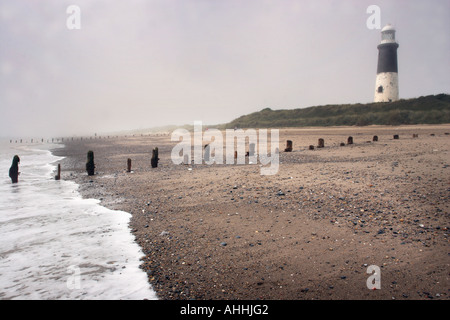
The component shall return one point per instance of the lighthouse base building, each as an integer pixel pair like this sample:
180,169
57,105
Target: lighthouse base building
386,87
386,84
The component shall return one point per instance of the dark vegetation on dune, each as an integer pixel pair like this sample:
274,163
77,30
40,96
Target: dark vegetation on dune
432,109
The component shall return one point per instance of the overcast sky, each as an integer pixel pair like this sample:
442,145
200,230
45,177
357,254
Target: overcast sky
140,63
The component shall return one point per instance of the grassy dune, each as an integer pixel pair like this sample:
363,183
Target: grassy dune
432,109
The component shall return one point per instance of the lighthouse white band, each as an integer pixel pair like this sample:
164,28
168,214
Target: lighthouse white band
386,87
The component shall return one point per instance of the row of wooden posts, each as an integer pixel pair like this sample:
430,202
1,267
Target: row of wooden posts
155,156
90,165
321,142
160,134
81,138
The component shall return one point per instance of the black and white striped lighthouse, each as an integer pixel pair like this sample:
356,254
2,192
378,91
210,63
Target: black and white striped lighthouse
386,86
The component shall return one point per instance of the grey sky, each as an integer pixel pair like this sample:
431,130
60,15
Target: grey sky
136,64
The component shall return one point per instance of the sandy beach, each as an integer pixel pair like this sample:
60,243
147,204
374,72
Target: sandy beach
308,232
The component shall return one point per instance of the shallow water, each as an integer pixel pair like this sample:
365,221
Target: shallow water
56,245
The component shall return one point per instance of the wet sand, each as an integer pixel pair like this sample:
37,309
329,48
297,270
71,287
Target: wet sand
308,232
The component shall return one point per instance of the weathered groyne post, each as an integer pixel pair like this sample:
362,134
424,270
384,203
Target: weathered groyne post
14,170
90,166
321,143
154,160
206,153
375,138
58,175
251,149
350,140
129,165
186,159
288,146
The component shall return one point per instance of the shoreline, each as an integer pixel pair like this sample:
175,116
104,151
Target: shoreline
50,231
225,232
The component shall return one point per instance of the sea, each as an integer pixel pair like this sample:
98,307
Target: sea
55,245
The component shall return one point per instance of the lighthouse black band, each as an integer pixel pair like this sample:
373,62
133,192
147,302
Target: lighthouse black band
387,57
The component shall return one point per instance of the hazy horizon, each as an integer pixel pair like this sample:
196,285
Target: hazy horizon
142,64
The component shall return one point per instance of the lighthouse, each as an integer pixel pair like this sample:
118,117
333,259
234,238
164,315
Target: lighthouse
386,85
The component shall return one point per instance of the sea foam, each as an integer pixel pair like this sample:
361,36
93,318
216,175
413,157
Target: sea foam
56,245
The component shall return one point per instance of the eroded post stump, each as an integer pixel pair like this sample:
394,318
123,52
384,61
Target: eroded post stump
155,158
90,166
288,146
251,149
14,170
207,153
321,143
58,175
129,165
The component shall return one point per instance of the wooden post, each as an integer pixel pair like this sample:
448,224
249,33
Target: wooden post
375,138
58,175
396,136
350,140
206,153
251,149
155,158
288,146
90,166
129,165
321,143
14,170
